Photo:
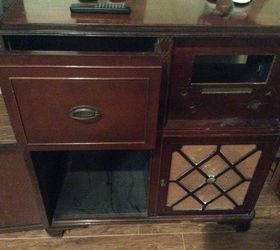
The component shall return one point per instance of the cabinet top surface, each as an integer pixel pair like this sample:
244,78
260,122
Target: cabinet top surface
165,16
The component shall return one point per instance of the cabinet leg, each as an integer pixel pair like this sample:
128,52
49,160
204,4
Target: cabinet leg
55,232
240,225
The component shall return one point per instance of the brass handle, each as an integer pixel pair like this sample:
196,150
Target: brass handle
84,113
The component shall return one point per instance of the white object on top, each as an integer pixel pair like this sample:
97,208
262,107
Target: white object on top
241,1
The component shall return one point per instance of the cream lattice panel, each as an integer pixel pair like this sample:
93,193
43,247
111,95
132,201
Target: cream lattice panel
211,177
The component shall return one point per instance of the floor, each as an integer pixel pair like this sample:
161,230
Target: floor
264,234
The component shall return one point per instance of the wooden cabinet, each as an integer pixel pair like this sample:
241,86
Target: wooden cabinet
84,86
211,159
220,134
19,204
212,176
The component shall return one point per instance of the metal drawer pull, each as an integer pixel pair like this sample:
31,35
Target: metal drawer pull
226,91
85,113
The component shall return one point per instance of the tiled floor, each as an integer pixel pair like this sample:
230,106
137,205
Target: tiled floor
264,234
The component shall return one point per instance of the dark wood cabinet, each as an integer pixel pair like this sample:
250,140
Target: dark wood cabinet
221,127
140,117
19,203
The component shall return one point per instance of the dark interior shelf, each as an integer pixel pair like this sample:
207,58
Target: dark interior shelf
76,43
99,184
230,69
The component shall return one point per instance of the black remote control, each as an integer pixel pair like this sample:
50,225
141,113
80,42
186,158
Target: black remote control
105,8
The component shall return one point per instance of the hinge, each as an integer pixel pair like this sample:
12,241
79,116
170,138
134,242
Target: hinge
163,182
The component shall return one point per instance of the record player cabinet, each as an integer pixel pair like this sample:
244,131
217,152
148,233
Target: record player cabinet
134,126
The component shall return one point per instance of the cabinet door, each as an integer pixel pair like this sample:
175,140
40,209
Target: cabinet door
18,204
213,176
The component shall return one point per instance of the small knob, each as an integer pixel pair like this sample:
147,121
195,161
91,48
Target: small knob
211,179
184,92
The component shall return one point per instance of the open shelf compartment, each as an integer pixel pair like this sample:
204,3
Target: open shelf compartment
94,184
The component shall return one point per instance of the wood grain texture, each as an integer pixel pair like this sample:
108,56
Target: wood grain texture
136,242
264,234
6,132
104,230
184,227
267,197
252,240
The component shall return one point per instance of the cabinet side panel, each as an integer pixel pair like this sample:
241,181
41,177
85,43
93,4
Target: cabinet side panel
18,204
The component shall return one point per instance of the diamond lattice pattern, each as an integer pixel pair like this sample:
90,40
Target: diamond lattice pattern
211,177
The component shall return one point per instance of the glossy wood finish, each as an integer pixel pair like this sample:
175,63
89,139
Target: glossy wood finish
264,234
18,199
147,16
226,126
164,20
124,91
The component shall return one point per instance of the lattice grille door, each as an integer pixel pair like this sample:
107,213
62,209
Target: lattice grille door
210,177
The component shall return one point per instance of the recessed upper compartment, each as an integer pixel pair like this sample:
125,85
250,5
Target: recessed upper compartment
220,78
76,43
231,68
